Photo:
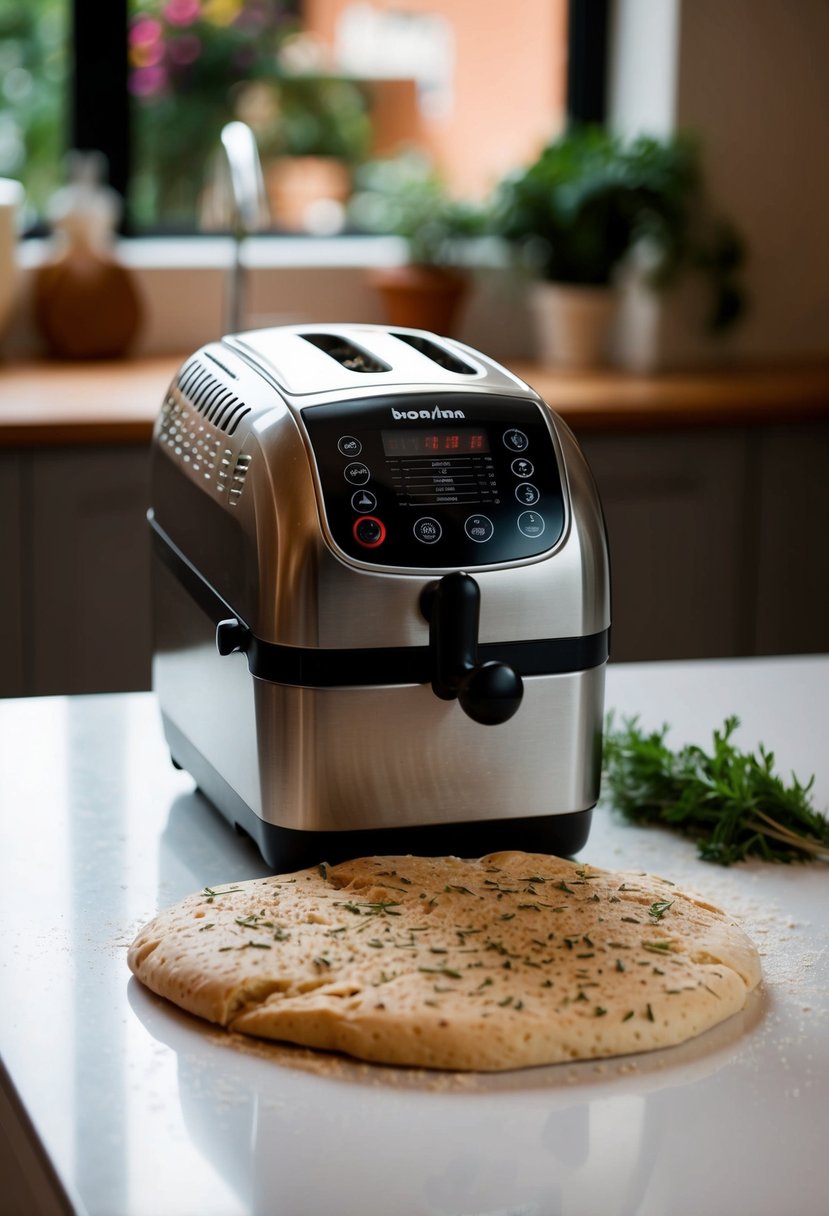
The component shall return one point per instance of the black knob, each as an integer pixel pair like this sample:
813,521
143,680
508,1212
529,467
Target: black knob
491,693
487,692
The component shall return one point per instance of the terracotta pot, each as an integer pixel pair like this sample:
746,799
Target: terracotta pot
572,323
422,297
308,193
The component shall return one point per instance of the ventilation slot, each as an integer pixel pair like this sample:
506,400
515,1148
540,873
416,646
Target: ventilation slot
438,354
227,371
352,358
212,399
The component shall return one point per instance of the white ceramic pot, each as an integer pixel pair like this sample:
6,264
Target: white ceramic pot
11,200
572,323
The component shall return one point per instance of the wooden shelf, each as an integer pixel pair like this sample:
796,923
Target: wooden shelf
60,404
618,401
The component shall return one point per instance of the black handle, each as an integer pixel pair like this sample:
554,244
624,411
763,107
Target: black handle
231,636
489,693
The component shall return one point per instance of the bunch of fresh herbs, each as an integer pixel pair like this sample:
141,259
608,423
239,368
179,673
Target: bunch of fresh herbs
730,802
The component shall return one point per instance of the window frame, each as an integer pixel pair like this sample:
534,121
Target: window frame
99,109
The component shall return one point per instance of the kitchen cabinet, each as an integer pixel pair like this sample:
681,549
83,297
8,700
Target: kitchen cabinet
11,563
717,540
788,531
675,507
75,546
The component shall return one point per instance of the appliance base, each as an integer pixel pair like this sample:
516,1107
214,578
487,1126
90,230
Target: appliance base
287,849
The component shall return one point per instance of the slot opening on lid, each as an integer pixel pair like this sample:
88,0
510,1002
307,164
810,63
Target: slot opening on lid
438,354
350,356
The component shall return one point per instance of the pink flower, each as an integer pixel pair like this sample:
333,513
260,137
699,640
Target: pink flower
182,12
147,82
145,31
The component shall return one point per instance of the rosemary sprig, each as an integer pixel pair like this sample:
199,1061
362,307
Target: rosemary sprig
730,802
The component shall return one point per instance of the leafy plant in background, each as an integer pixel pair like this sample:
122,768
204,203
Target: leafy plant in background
590,198
310,114
33,65
405,196
189,61
198,63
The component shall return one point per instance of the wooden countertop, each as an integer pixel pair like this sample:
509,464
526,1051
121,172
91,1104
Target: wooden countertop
55,404
623,401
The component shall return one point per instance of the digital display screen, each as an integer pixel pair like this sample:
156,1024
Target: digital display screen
457,441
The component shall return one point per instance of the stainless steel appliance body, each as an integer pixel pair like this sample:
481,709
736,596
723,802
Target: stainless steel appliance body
381,596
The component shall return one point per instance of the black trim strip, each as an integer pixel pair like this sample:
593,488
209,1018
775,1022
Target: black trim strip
306,667
413,664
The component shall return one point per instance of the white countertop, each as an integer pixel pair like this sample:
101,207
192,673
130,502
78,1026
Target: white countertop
144,1111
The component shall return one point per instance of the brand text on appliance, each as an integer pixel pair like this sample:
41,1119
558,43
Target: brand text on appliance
437,412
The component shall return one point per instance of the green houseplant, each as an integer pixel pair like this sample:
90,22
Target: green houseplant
189,65
591,198
312,130
406,197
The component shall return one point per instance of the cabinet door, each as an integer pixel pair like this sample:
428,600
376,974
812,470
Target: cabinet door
11,599
89,626
673,504
791,529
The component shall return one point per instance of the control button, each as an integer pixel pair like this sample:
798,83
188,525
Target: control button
369,531
349,446
357,473
527,493
479,528
522,467
515,440
363,501
428,530
531,523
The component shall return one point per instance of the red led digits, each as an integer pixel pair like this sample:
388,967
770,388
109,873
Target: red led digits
414,442
456,441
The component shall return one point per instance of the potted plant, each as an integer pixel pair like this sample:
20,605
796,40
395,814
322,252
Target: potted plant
312,129
405,196
189,64
586,203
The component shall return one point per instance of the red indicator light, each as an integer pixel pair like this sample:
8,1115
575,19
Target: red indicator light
369,531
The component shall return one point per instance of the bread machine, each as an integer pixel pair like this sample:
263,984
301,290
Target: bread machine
381,597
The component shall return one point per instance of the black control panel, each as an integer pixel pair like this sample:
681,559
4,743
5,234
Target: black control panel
438,480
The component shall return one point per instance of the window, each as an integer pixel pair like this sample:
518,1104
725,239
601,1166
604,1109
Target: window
151,83
34,37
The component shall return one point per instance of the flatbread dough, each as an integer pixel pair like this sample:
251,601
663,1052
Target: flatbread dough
513,960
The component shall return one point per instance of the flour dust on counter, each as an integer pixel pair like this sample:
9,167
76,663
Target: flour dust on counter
506,962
